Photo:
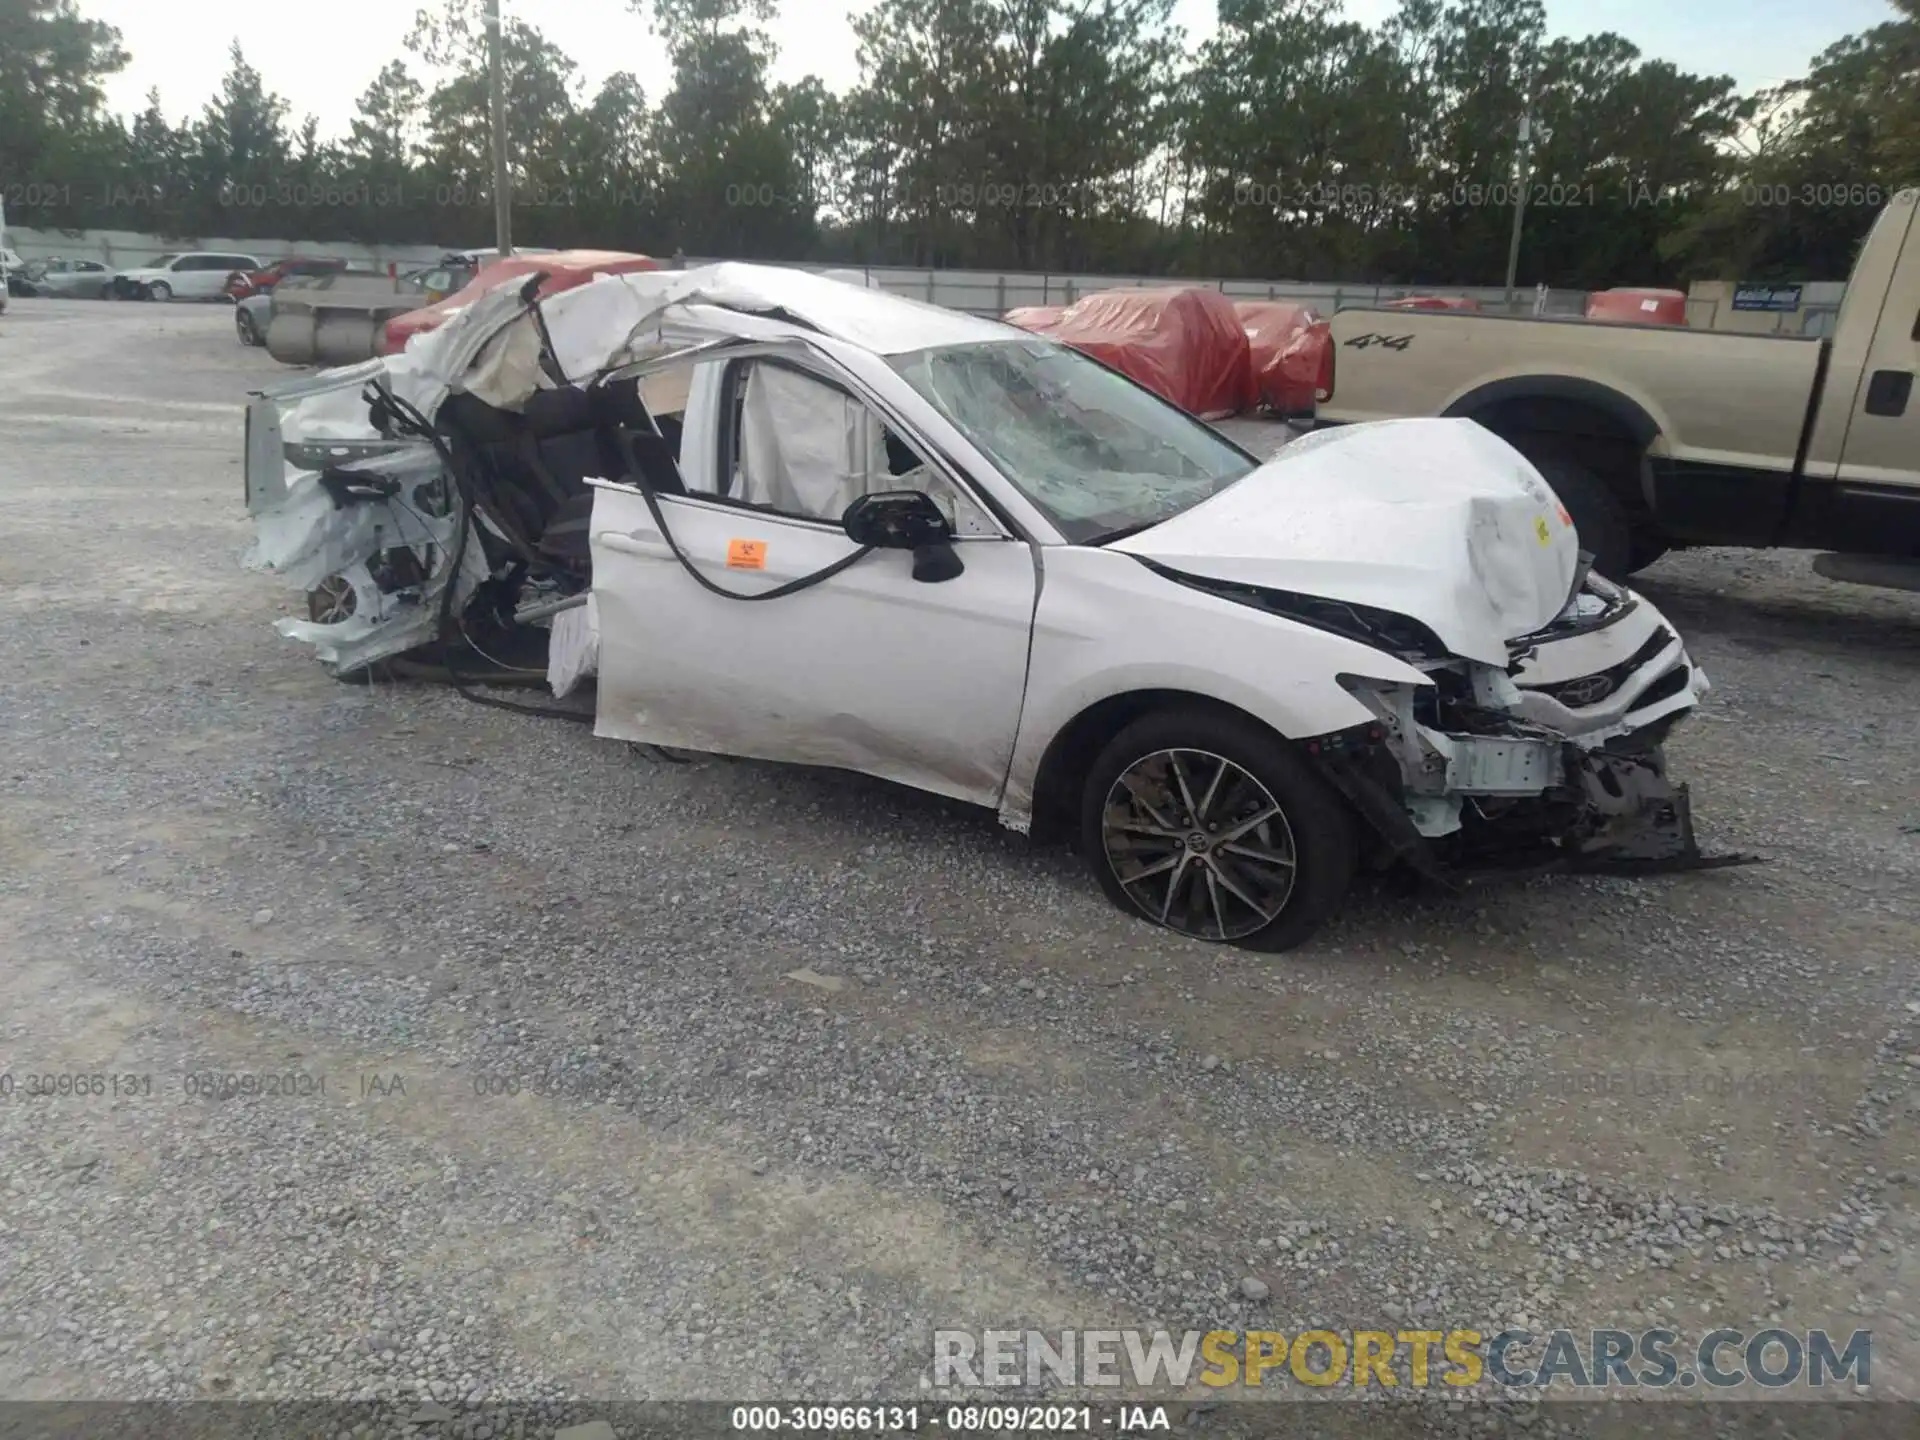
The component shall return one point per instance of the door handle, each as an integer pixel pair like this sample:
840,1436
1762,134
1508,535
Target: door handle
1888,391
644,548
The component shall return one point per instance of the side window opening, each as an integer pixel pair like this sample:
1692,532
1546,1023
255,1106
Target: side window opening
665,394
800,445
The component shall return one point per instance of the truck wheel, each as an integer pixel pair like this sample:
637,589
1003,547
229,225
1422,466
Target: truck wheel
1646,550
1598,516
1209,824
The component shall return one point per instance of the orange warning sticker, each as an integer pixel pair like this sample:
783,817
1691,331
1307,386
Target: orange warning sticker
746,554
1566,518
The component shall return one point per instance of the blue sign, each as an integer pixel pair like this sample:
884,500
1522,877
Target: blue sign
1766,297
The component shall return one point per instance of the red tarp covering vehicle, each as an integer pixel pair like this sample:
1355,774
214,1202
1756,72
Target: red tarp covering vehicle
1185,345
1305,373
1271,326
1629,305
1038,318
565,269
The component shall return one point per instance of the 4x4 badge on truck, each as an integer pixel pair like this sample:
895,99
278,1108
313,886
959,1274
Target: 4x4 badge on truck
1391,342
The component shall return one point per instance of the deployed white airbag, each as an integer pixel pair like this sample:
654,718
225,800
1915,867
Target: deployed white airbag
806,448
573,647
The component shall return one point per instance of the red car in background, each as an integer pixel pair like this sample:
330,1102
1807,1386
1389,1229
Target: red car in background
564,269
243,283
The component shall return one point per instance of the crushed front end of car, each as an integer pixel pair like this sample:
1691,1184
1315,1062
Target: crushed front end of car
1554,761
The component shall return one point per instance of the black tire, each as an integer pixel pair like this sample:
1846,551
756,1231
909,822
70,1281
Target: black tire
1317,821
244,326
1647,548
1598,516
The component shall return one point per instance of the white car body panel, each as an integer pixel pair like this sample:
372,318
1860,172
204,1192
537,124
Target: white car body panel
1107,625
960,687
1437,519
869,671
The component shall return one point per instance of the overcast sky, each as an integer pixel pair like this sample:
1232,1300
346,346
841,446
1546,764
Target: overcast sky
320,57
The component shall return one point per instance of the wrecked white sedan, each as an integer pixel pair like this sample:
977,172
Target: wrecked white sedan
783,517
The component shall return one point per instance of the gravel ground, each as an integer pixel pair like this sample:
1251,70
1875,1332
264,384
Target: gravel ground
987,1100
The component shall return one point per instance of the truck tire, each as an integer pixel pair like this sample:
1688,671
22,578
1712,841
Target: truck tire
1647,549
1598,516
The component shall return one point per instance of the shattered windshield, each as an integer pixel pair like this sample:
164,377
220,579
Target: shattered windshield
1098,454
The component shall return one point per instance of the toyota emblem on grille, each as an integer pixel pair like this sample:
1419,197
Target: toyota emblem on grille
1578,693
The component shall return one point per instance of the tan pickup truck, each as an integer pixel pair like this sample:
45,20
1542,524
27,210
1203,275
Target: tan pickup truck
1657,436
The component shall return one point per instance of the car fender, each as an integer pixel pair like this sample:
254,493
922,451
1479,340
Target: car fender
1106,625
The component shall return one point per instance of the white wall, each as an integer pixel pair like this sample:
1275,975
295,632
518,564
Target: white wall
125,249
981,292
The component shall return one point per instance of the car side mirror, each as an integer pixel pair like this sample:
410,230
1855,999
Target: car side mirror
905,520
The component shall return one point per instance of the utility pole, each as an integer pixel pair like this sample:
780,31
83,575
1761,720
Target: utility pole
1519,204
497,116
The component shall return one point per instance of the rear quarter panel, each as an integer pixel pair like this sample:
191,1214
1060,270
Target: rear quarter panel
1716,398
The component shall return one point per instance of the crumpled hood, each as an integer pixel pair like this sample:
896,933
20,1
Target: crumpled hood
1438,520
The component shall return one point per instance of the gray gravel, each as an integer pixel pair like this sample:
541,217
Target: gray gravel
718,1079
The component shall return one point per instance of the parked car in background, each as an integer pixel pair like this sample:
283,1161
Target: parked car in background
69,279
198,275
253,314
474,259
455,270
1186,344
243,283
14,269
1272,326
437,282
1627,305
1305,377
564,270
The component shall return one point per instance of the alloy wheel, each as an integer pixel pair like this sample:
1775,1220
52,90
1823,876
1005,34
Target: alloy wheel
1198,844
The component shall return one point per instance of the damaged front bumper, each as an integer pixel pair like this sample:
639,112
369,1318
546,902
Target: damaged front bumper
1555,763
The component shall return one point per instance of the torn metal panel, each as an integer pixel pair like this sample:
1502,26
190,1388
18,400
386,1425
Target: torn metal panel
335,501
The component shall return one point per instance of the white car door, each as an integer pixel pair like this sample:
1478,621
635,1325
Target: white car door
188,278
914,681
